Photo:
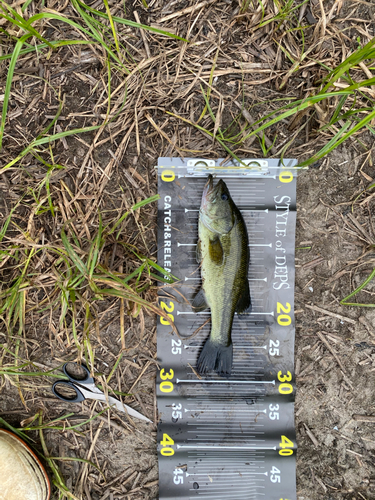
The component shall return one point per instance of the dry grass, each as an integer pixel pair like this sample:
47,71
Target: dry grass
87,115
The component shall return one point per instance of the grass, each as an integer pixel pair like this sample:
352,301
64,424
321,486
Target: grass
98,33
353,110
344,301
91,27
79,278
77,271
22,433
351,119
60,240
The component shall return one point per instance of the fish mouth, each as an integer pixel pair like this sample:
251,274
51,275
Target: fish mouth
208,188
211,192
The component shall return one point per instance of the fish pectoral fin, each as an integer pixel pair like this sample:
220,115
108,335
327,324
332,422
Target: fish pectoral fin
199,302
216,252
244,302
198,252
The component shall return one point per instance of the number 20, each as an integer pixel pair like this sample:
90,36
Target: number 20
169,309
283,319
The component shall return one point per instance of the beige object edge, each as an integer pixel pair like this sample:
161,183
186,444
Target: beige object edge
22,476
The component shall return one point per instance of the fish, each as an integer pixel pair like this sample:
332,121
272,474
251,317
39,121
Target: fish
223,254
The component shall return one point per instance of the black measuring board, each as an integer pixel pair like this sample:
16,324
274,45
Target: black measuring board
228,438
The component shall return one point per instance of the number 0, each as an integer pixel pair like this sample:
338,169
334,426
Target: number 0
285,388
284,320
167,386
167,452
286,177
286,452
169,176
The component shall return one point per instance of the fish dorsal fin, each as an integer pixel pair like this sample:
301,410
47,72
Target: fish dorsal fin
199,302
215,251
198,252
244,302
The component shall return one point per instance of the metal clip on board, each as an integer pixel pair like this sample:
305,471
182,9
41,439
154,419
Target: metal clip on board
202,168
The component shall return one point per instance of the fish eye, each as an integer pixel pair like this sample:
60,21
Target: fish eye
224,196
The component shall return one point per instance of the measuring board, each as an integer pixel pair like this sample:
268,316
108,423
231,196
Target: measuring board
228,438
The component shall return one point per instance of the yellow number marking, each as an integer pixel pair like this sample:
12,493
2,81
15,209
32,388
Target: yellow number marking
169,309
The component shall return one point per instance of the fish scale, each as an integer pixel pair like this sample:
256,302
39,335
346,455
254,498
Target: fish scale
228,437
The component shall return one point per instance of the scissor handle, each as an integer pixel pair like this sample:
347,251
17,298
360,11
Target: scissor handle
85,372
64,383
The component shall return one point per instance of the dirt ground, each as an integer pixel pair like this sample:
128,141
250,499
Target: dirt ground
335,345
335,370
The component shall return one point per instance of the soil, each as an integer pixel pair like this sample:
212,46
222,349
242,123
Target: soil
335,382
335,356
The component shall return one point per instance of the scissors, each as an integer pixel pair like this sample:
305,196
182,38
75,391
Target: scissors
81,386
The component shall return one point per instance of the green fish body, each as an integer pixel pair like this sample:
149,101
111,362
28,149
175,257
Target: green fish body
223,254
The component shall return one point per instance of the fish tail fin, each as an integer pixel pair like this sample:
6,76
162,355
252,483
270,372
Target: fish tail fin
215,357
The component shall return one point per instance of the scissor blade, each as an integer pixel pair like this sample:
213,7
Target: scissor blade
100,396
127,409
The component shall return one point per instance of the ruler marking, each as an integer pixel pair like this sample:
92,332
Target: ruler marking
223,497
227,411
238,457
250,244
219,447
238,474
241,209
208,381
179,313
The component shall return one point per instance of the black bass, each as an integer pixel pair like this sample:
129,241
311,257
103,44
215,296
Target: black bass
223,254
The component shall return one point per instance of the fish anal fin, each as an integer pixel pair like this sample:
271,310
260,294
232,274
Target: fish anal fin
244,302
199,302
216,252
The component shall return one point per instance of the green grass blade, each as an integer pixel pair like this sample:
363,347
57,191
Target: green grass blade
127,22
25,5
112,25
47,140
54,44
338,109
345,302
73,255
21,23
92,260
140,204
211,113
19,433
114,367
94,32
358,56
332,145
8,84
295,108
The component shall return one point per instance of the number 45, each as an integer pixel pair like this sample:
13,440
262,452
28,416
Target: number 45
178,479
275,475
